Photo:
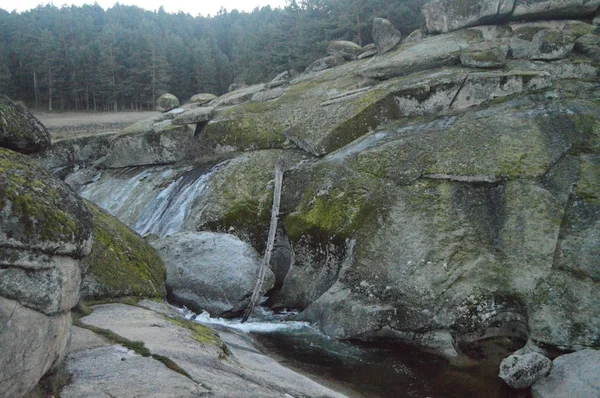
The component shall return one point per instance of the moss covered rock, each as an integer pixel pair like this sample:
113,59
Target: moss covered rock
410,245
44,230
121,262
19,129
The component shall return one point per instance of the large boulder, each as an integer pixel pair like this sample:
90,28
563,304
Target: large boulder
448,15
572,375
121,262
521,273
166,102
19,129
210,271
385,35
45,230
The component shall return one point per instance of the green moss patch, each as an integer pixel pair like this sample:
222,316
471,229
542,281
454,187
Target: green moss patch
121,262
50,216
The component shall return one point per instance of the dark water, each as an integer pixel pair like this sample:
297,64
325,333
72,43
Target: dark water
383,371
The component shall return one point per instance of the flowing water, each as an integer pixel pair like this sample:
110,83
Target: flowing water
160,200
156,200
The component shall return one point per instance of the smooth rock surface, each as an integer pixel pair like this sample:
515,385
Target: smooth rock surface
521,371
199,352
209,271
572,375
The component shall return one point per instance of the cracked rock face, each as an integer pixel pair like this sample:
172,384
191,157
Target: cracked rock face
44,231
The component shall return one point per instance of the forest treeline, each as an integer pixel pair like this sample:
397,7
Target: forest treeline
78,58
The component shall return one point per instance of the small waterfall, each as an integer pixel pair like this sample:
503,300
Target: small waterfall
156,200
166,214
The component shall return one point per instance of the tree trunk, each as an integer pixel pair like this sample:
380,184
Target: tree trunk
262,273
50,88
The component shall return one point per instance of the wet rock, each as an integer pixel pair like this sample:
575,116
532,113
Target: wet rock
385,35
521,371
572,375
208,271
19,129
223,365
166,102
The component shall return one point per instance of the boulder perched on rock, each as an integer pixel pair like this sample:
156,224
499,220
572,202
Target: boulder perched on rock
572,375
209,271
202,99
45,230
345,49
166,102
193,116
385,35
521,371
121,262
19,129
